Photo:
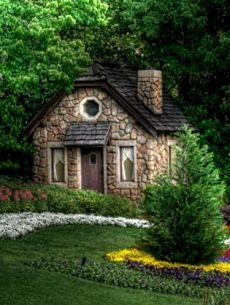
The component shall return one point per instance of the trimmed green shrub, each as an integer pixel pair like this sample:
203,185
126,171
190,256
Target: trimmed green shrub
185,206
19,196
86,201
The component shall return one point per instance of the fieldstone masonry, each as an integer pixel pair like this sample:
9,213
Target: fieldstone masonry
74,167
150,89
151,153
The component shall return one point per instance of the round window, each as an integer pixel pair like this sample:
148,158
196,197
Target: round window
91,108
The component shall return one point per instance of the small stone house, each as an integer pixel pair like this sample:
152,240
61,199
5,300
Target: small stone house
112,134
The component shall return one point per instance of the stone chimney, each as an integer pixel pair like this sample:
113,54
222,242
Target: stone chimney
150,89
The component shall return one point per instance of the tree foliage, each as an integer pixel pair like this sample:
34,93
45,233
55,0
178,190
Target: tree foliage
190,42
42,50
185,206
46,44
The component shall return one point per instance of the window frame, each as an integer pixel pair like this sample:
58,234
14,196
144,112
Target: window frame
82,110
51,146
52,164
121,183
121,177
93,103
171,143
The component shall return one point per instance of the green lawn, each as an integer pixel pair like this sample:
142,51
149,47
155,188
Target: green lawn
21,285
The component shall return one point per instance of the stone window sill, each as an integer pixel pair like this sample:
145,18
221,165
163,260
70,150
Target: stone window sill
127,185
59,183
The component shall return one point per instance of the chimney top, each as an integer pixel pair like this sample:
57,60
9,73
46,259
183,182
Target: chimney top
150,89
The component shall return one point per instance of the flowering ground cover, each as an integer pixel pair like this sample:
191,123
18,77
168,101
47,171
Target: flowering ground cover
136,255
216,275
7,194
198,276
122,275
15,225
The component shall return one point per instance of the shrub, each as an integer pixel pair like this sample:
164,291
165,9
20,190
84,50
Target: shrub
185,206
18,196
86,201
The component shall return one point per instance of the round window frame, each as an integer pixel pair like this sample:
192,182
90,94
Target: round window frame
85,114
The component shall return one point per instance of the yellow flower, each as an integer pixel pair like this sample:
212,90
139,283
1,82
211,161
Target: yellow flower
145,258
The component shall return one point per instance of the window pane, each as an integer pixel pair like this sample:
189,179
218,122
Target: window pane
58,165
91,108
93,159
127,163
172,155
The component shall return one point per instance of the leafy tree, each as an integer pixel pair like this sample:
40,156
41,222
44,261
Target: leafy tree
118,40
45,45
41,51
185,206
190,42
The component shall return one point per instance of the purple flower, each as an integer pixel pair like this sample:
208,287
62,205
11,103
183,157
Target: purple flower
199,276
224,259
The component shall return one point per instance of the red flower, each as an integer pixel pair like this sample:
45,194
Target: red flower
5,193
17,195
227,253
29,195
4,197
26,194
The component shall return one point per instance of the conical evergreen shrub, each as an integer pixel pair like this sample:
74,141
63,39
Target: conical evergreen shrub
184,206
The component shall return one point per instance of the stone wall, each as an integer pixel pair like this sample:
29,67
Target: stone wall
151,153
150,89
74,169
40,155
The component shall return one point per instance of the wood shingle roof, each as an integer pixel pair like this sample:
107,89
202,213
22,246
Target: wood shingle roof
121,83
87,134
124,80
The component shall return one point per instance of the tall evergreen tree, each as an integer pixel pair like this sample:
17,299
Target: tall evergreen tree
185,206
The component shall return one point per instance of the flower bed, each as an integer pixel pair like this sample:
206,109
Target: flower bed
7,194
199,276
14,225
123,276
135,255
215,275
19,196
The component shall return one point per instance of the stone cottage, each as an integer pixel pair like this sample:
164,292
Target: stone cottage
112,134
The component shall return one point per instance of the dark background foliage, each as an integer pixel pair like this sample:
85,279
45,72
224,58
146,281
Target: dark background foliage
45,45
190,42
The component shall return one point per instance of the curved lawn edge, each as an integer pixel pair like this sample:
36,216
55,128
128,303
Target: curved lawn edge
13,225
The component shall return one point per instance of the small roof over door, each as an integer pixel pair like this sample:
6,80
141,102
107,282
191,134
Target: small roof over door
87,134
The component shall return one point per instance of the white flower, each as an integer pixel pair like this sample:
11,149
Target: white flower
227,242
14,225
